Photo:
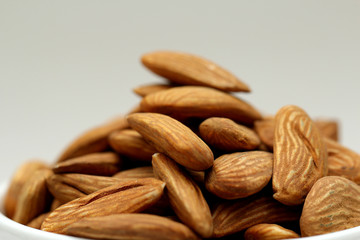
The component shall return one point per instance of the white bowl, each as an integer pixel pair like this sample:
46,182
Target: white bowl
16,231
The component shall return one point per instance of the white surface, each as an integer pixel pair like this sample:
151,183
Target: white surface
66,66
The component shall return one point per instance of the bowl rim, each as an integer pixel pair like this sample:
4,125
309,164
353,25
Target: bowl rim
19,230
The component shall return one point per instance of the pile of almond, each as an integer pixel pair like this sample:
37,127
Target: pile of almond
194,161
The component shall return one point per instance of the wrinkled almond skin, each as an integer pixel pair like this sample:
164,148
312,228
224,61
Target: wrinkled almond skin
173,138
93,140
201,102
34,197
21,176
236,215
130,143
342,161
139,172
131,226
331,205
239,175
144,90
225,134
269,232
126,197
103,164
67,187
299,144
328,128
61,191
184,195
187,69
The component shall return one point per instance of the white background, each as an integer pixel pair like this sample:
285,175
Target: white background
66,66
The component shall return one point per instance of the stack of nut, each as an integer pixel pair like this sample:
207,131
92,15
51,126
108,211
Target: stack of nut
193,161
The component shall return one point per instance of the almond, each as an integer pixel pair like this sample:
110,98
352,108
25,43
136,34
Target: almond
126,197
130,143
239,175
36,222
139,172
93,140
144,90
130,226
342,161
265,129
189,69
269,232
106,164
331,205
236,215
299,144
225,134
328,128
184,195
34,197
21,176
173,138
202,102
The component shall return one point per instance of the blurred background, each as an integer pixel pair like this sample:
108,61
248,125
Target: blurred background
67,66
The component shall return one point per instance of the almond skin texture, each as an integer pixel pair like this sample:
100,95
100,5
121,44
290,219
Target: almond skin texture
299,144
225,134
104,164
236,215
130,143
93,140
202,102
239,175
127,197
184,195
174,139
34,197
131,226
187,69
21,176
139,172
269,232
144,90
342,161
331,205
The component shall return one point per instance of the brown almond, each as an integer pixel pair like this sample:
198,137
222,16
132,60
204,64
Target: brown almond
331,205
93,140
328,128
225,134
34,197
239,175
126,197
21,176
299,144
202,102
144,90
342,161
130,143
173,138
61,191
265,129
36,222
105,164
189,69
236,215
139,172
130,226
269,232
184,195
